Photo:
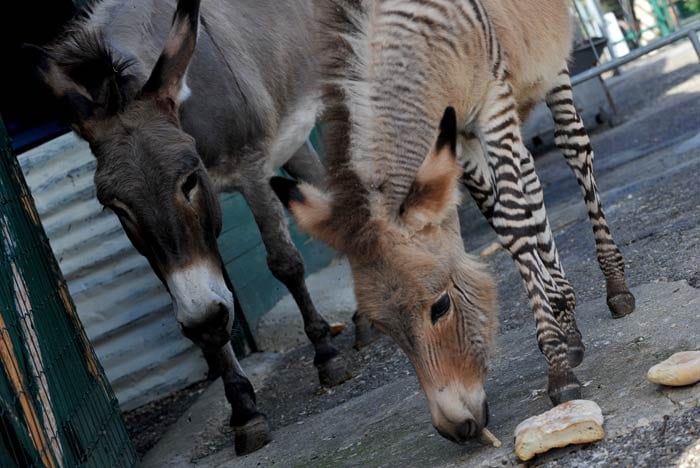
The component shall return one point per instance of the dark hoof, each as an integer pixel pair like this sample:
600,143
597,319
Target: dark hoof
576,350
365,333
333,372
621,304
569,389
252,436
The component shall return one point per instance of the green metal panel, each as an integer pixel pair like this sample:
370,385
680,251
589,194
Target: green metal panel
56,406
244,255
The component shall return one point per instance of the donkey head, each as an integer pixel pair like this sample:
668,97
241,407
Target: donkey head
413,279
148,169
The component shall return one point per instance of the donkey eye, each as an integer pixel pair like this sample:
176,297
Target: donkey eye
189,185
440,308
121,212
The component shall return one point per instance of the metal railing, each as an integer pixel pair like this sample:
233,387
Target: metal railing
690,32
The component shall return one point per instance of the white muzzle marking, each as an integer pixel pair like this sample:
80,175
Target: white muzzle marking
453,404
195,290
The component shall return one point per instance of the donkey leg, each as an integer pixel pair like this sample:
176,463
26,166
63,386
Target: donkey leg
517,224
305,165
572,139
251,430
559,290
287,266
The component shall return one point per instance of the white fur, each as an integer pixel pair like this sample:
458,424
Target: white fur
184,94
451,405
195,289
294,130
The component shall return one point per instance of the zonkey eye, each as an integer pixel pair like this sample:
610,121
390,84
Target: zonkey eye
440,308
189,185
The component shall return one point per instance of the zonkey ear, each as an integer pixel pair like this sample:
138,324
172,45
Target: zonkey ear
310,207
167,81
434,191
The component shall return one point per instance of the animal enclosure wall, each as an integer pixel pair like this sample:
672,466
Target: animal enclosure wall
56,405
126,311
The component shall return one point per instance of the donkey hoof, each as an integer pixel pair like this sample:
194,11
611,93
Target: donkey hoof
575,350
621,304
333,372
252,436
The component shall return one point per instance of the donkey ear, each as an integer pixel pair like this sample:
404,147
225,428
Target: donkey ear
434,191
167,80
310,207
75,98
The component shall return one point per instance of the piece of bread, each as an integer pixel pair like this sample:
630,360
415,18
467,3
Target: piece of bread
572,422
680,369
487,438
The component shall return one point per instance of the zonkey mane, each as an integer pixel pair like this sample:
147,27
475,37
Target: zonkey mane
383,110
342,22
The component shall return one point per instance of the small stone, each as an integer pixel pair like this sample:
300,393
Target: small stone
679,370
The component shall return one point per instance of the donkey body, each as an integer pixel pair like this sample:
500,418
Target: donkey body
156,112
421,95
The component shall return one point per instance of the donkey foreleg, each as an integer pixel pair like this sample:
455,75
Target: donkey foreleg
572,139
286,264
251,430
517,223
307,166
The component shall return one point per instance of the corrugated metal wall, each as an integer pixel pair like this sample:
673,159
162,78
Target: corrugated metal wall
124,308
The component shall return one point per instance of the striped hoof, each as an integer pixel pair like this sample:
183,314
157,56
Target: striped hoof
621,304
564,389
575,350
333,372
252,436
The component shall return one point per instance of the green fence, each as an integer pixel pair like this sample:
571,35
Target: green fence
56,406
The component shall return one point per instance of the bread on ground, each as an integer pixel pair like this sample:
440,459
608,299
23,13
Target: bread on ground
572,422
680,369
487,438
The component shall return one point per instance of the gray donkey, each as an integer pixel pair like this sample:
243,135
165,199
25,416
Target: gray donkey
156,116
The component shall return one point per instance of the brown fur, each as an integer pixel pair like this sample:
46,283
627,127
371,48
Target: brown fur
392,202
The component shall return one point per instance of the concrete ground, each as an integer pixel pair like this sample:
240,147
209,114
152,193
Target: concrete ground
647,168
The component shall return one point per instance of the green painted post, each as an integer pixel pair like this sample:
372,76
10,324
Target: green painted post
661,18
56,406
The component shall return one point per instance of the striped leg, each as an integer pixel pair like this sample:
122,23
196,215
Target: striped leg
560,293
572,140
517,224
477,180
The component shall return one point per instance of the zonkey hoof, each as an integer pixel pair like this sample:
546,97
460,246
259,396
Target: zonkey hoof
252,436
365,335
564,388
621,304
333,372
575,350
